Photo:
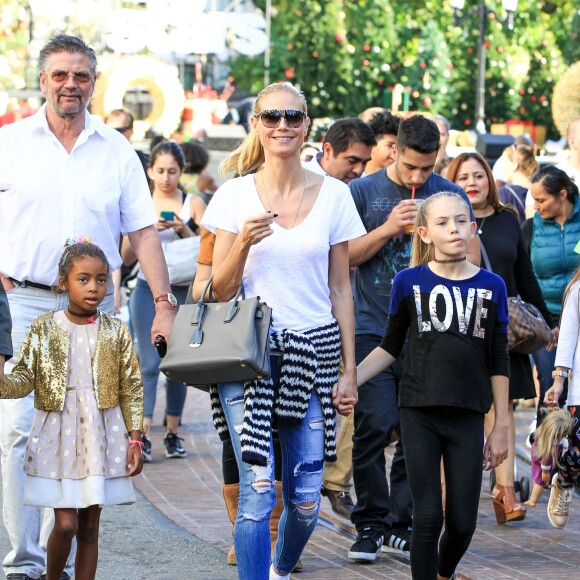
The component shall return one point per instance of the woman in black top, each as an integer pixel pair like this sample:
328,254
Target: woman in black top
501,237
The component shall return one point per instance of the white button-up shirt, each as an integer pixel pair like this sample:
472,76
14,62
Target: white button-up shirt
48,195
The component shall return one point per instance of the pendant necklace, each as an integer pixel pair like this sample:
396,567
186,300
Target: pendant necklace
90,316
299,202
480,227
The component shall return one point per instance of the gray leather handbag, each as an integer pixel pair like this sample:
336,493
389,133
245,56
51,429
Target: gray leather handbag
219,342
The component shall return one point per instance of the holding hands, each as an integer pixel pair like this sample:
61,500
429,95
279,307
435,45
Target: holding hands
344,393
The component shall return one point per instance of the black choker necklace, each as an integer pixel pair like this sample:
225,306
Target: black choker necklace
89,315
450,260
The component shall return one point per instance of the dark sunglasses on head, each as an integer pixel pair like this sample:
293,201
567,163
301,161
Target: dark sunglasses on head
271,118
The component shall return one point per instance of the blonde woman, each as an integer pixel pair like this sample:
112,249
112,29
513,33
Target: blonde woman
283,233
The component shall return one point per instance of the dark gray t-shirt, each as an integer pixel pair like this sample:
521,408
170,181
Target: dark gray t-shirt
375,196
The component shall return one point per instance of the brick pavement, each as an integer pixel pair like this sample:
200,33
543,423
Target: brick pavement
188,491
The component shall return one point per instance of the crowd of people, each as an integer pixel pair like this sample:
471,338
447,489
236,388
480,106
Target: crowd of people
389,288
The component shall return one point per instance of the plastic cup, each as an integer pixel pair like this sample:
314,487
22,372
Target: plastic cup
411,227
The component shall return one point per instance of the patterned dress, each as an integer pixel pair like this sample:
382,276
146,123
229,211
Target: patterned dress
77,457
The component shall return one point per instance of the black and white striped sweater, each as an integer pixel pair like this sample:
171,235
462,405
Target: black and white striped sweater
310,361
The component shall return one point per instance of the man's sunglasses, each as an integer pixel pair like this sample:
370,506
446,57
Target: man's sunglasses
80,77
271,118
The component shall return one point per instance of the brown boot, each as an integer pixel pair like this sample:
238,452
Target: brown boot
505,504
275,520
231,493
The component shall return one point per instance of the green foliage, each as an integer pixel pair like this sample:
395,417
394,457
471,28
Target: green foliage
346,55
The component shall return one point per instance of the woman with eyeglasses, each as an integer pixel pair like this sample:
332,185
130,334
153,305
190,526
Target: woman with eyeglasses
283,232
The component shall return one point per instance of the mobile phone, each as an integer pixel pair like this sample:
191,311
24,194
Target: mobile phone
168,215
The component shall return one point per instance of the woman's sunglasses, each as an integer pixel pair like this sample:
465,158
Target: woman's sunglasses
271,118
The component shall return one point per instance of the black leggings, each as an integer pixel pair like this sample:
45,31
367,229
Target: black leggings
456,435
230,467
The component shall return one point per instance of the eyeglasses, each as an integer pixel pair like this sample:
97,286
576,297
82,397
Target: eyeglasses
80,77
271,118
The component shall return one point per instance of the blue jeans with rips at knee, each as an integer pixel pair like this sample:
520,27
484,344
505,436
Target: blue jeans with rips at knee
302,463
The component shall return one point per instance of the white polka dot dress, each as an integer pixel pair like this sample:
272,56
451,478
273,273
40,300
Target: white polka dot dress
78,457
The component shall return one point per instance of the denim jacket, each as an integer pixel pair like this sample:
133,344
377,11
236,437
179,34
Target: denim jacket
43,365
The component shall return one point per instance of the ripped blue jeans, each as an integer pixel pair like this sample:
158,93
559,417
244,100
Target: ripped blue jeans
302,462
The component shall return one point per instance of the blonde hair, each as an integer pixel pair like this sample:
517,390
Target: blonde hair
575,280
249,156
421,253
557,424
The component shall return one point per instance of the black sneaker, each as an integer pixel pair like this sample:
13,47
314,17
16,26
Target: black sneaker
367,545
173,447
146,449
398,541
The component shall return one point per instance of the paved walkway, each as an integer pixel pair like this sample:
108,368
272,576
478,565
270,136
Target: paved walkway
188,491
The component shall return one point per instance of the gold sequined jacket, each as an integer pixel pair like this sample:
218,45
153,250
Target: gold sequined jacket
43,367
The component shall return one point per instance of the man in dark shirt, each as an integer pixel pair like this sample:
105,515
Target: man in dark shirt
346,150
5,331
386,204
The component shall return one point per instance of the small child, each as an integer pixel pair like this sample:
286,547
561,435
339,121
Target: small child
457,361
567,369
558,446
88,393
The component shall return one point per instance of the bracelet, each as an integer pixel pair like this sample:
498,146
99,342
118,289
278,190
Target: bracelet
566,374
140,444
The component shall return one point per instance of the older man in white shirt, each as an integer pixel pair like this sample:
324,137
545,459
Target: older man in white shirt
63,174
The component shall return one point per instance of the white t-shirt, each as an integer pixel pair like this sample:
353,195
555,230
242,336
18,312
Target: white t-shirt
568,352
314,165
572,172
289,269
170,235
48,195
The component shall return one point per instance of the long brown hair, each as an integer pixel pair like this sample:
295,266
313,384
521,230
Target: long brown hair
421,253
249,156
493,196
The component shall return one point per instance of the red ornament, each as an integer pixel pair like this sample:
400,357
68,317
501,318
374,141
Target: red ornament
500,49
522,110
469,50
380,82
450,66
315,54
486,44
367,47
289,46
427,101
522,92
366,62
534,99
467,122
289,73
423,65
340,37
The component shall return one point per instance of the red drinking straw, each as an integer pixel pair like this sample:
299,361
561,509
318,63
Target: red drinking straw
413,192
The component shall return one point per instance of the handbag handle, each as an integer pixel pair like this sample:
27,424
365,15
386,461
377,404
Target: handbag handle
199,313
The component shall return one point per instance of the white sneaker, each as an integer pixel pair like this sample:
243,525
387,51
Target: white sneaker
559,503
275,576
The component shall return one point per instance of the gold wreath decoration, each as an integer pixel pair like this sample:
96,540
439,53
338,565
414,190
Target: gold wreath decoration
150,73
566,98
